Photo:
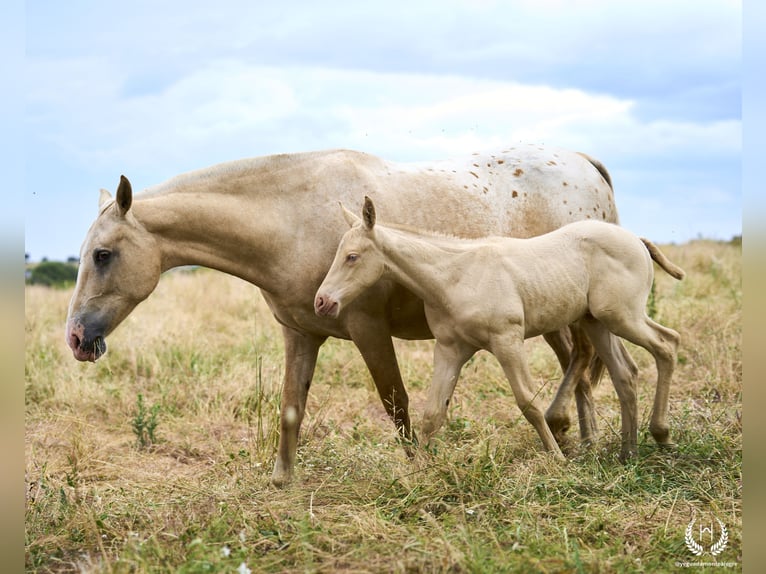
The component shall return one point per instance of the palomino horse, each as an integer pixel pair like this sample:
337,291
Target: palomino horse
273,221
492,293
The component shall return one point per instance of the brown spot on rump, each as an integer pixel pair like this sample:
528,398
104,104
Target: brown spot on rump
476,165
485,188
515,193
551,162
500,162
603,215
565,202
564,183
474,174
518,172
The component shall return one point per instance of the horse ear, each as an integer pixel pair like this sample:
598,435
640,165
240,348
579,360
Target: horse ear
124,195
368,213
350,218
104,197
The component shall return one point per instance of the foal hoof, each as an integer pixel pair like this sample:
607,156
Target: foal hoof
559,425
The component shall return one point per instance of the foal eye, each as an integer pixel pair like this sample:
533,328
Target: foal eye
101,256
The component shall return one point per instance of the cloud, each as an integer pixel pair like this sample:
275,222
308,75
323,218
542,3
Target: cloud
229,108
155,89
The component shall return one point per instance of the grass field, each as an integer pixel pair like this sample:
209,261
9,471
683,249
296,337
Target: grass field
158,457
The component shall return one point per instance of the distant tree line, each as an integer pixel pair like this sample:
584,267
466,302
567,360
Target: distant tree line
52,273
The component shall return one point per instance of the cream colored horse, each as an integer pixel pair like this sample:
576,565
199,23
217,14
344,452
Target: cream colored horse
273,221
493,293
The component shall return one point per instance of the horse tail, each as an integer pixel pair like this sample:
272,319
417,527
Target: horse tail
659,257
600,167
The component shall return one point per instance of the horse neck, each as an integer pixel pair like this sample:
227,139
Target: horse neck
204,224
419,262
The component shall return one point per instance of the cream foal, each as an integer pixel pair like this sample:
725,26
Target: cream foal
493,293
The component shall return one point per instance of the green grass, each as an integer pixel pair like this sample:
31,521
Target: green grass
205,352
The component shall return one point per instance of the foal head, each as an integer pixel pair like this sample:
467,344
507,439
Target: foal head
357,265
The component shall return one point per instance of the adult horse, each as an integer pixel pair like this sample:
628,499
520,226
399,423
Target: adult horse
257,219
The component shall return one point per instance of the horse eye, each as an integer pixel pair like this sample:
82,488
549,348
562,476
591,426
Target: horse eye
351,258
101,256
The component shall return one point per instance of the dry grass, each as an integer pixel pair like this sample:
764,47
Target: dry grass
205,350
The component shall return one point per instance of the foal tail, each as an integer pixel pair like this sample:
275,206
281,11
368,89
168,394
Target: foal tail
659,257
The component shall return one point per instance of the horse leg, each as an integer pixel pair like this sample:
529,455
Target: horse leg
373,339
509,351
622,370
301,350
557,415
662,343
575,382
448,361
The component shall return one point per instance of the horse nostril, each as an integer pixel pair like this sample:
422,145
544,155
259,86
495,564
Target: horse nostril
74,341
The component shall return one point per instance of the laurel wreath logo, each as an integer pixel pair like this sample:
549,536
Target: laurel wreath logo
697,549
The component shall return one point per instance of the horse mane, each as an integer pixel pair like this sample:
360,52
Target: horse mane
443,240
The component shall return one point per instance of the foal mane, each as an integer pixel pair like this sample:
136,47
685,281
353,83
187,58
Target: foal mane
443,240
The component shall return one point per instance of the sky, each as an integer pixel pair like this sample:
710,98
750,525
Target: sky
151,89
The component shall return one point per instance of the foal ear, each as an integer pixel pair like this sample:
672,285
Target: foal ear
350,218
368,213
124,195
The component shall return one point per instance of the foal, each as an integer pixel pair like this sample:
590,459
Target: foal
493,293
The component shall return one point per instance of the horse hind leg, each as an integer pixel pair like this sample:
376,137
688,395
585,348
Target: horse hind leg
622,370
662,343
575,382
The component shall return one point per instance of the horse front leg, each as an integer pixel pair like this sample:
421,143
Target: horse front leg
509,351
301,350
372,337
448,362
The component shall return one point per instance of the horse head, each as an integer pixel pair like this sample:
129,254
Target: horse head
120,265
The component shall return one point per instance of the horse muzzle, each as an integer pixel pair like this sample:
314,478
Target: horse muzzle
326,306
84,348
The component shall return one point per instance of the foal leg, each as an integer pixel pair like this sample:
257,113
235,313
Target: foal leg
662,343
510,353
622,370
575,382
448,361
